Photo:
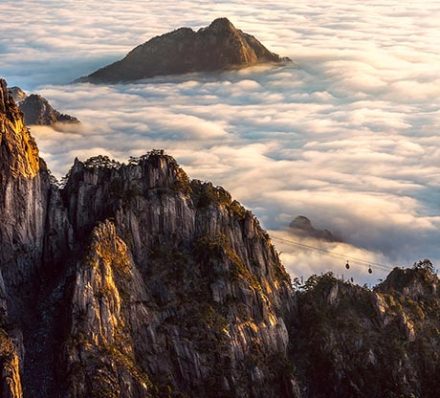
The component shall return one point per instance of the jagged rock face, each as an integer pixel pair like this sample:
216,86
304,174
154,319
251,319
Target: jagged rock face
349,341
19,153
99,352
38,111
24,189
198,284
10,383
217,47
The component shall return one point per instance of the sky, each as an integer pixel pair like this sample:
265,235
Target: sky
346,135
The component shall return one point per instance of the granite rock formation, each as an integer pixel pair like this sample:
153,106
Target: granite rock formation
220,46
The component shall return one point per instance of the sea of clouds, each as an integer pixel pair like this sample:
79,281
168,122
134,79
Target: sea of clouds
347,135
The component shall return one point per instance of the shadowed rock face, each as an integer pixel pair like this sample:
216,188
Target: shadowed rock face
302,226
37,110
353,342
134,281
219,46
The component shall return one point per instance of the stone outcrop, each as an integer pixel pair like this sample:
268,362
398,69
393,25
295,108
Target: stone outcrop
220,46
37,109
190,278
134,281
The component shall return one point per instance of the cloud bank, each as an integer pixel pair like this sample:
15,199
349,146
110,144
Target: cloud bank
347,136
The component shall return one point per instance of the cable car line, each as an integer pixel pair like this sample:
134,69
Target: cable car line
360,261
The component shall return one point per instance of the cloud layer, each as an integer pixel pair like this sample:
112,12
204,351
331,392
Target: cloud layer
347,136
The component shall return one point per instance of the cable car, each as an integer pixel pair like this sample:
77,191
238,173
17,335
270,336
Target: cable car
347,265
370,271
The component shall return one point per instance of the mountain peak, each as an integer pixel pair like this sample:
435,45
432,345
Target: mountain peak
417,282
37,110
220,46
303,227
18,151
222,23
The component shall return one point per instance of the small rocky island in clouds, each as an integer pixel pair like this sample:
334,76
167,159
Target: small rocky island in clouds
302,226
37,109
220,46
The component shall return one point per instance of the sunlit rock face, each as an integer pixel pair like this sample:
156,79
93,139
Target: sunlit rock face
219,46
10,383
24,191
19,153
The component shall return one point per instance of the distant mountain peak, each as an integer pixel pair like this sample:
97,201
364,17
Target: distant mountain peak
219,46
303,227
37,109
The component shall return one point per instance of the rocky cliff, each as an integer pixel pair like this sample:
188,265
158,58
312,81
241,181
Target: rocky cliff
134,281
179,277
349,341
219,46
37,109
24,191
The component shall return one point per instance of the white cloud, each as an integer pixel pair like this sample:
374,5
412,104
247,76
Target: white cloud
347,135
